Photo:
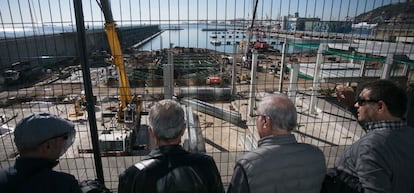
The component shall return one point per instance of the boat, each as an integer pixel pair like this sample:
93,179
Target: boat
174,28
214,36
214,29
11,76
215,42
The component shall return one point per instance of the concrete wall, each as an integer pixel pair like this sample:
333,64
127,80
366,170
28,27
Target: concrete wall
65,45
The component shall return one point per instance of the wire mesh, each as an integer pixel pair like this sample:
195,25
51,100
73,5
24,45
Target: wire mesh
41,71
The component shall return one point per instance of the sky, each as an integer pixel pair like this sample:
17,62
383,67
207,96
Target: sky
170,11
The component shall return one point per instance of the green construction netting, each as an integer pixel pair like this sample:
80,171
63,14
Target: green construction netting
354,56
351,56
404,62
308,46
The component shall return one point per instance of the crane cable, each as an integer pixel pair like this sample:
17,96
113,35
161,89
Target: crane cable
250,32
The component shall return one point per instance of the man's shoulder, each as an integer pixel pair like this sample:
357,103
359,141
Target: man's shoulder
373,138
200,156
311,152
383,137
10,180
261,153
4,177
57,176
6,171
311,148
289,148
143,164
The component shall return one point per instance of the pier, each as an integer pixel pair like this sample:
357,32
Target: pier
64,46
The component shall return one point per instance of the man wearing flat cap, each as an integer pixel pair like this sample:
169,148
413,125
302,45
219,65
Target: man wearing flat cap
41,140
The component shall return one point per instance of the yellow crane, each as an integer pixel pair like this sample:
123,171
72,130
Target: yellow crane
130,106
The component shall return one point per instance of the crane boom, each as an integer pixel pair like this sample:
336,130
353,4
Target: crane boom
130,106
116,52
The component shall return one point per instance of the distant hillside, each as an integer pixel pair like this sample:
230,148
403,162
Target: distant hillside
400,12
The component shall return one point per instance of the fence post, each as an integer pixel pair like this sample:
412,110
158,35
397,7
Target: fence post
282,65
253,82
87,83
233,72
168,72
316,77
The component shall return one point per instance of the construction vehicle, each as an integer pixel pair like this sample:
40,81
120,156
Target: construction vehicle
114,143
260,45
213,80
120,139
10,76
79,107
128,136
129,105
243,78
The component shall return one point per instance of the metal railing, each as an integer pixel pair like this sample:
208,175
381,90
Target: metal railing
57,53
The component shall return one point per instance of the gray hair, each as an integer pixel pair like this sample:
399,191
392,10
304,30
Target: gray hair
166,118
280,110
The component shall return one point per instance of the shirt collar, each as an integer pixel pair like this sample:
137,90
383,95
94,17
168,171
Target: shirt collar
32,165
277,139
167,150
382,125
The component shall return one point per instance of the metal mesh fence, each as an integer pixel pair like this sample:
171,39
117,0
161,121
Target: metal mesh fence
226,55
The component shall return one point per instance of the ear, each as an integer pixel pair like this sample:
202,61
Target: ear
267,121
152,134
44,148
182,131
382,107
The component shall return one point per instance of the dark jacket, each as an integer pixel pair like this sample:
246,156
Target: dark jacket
35,175
172,169
279,164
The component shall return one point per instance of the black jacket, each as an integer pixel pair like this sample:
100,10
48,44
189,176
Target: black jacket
35,175
172,169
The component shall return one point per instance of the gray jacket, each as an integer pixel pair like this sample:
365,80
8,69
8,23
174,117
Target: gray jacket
280,164
383,158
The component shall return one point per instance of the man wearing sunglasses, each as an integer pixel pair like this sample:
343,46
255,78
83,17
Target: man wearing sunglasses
382,160
41,140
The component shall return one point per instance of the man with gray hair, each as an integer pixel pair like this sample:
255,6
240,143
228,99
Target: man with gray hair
41,140
280,163
169,168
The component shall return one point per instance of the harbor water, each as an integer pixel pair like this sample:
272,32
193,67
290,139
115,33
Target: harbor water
202,36
180,35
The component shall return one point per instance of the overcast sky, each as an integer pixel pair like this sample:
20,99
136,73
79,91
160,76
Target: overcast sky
164,11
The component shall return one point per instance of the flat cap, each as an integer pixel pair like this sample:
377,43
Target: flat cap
39,127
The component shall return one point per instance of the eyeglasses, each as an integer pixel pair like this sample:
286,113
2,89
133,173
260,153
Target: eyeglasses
362,102
258,115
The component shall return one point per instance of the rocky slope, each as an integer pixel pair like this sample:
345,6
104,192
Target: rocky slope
399,12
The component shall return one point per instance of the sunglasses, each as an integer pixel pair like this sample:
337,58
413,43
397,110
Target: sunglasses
362,102
256,116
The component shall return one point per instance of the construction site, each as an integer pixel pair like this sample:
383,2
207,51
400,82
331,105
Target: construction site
106,84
